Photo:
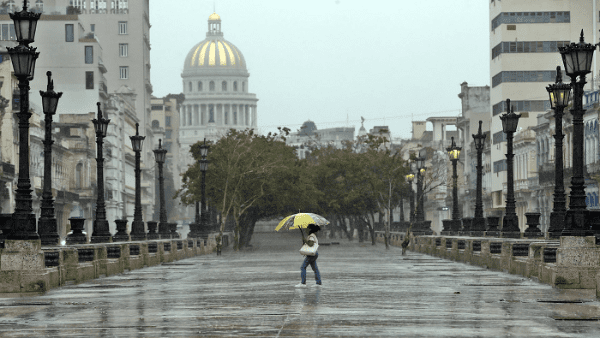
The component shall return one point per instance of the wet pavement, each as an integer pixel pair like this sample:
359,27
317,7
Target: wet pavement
367,292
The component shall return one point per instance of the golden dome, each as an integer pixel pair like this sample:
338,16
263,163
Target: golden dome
214,16
215,53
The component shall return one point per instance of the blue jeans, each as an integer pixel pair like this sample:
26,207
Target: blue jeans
312,260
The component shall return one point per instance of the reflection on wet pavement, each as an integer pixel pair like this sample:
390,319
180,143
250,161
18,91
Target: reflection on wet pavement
367,292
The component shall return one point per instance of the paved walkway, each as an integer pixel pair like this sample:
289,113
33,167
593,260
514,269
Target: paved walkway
367,292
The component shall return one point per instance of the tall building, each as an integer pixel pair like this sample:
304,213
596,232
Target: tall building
216,88
524,41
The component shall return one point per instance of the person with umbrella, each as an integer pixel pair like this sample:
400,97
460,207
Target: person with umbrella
312,260
311,222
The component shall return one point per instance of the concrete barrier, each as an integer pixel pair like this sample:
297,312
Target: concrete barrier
26,266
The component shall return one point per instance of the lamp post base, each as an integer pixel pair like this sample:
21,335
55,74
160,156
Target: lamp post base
163,230
47,230
101,233
575,224
510,227
193,233
138,231
25,226
557,224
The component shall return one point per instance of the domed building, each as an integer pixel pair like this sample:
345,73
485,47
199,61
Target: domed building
215,84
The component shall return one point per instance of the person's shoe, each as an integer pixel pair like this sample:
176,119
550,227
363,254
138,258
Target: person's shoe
301,285
318,285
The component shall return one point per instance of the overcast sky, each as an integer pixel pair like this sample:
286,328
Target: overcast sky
333,61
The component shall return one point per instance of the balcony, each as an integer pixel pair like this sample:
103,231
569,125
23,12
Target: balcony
7,170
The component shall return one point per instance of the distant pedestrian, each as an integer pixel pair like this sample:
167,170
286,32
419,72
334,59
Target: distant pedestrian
312,260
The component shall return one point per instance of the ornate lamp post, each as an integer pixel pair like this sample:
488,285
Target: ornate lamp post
478,225
560,94
454,154
422,225
138,231
160,155
204,211
510,225
101,233
411,195
47,226
23,59
577,59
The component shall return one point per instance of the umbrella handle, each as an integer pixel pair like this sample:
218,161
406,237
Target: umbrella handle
302,232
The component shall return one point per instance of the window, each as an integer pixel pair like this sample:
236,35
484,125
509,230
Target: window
122,27
189,86
89,54
235,86
211,86
89,80
211,113
168,121
199,86
224,86
226,117
124,72
69,33
243,87
79,176
8,32
168,133
123,49
92,27
234,117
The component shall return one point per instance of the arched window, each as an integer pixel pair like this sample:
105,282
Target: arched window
224,86
244,87
39,6
155,124
189,87
211,86
79,176
235,86
199,86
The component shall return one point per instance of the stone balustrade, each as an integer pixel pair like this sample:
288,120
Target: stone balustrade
571,263
26,266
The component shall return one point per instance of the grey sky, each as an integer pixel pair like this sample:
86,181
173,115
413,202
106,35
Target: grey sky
333,60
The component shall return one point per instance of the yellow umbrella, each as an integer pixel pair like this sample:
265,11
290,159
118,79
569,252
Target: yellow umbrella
300,221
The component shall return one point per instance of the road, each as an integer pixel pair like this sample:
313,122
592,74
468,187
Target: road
367,292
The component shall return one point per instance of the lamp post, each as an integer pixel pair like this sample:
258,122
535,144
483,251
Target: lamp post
478,225
422,225
101,233
411,195
577,59
160,155
510,225
138,231
47,227
454,154
204,211
23,59
559,93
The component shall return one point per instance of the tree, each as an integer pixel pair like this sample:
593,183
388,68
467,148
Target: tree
248,177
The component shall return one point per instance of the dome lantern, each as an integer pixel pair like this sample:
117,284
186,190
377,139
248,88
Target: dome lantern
214,25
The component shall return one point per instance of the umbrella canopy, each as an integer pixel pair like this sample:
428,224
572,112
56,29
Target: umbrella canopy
301,220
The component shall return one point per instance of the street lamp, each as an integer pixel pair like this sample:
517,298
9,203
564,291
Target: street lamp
47,227
101,233
478,225
23,59
454,154
411,195
560,94
204,211
423,227
160,155
510,225
577,59
138,231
